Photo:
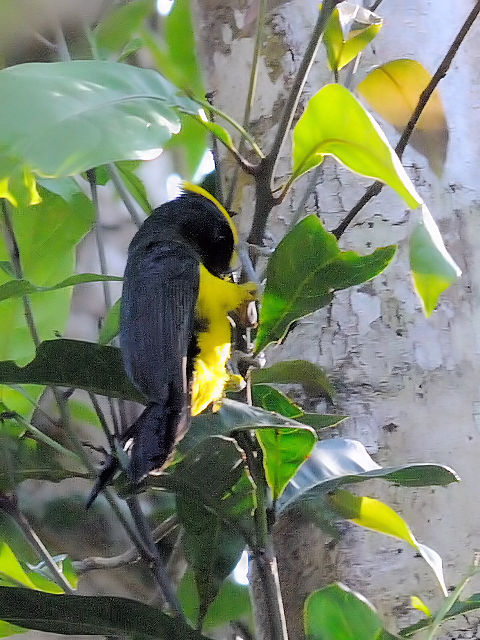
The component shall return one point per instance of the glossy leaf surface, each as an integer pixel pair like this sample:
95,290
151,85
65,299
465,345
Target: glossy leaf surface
312,377
335,123
300,282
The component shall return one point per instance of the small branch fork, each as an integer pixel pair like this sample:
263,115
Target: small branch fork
375,188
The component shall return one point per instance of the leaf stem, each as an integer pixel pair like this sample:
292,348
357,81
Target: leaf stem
442,69
452,598
9,506
251,93
124,194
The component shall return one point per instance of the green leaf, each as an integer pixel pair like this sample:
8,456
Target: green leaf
336,612
7,629
117,29
348,31
335,123
64,564
272,400
433,268
90,615
11,569
284,451
231,603
65,117
19,288
393,91
135,186
301,282
374,514
111,325
459,608
191,143
312,377
214,496
47,235
339,461
74,363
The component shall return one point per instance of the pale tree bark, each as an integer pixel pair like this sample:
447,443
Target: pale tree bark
409,384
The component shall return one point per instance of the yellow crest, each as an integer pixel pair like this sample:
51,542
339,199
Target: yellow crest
194,188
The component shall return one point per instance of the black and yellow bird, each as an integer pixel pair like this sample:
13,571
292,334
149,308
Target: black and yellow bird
175,334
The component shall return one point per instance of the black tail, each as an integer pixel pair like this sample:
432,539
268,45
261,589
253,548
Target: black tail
149,442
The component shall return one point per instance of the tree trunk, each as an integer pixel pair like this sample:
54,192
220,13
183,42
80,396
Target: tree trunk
409,384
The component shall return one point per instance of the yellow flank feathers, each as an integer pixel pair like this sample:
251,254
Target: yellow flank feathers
216,298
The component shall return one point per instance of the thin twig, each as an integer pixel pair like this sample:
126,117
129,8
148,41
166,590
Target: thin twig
156,564
11,241
99,237
102,419
124,194
265,200
128,557
375,188
250,95
375,5
9,506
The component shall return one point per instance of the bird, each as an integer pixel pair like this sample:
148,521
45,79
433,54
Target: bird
175,331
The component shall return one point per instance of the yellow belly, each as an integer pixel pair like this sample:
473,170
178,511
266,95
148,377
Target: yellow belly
215,299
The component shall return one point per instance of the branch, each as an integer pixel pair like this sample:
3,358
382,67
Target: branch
9,506
265,200
250,95
128,557
375,188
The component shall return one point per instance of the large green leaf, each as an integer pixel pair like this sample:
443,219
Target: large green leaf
65,117
433,268
309,375
214,495
335,123
74,363
459,608
90,615
46,235
376,515
341,461
19,288
284,451
10,568
271,399
349,29
336,612
305,270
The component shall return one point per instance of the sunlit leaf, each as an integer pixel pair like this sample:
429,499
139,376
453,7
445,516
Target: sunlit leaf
11,569
393,91
349,30
419,604
335,123
90,615
433,268
374,514
336,612
459,608
312,377
284,451
301,281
